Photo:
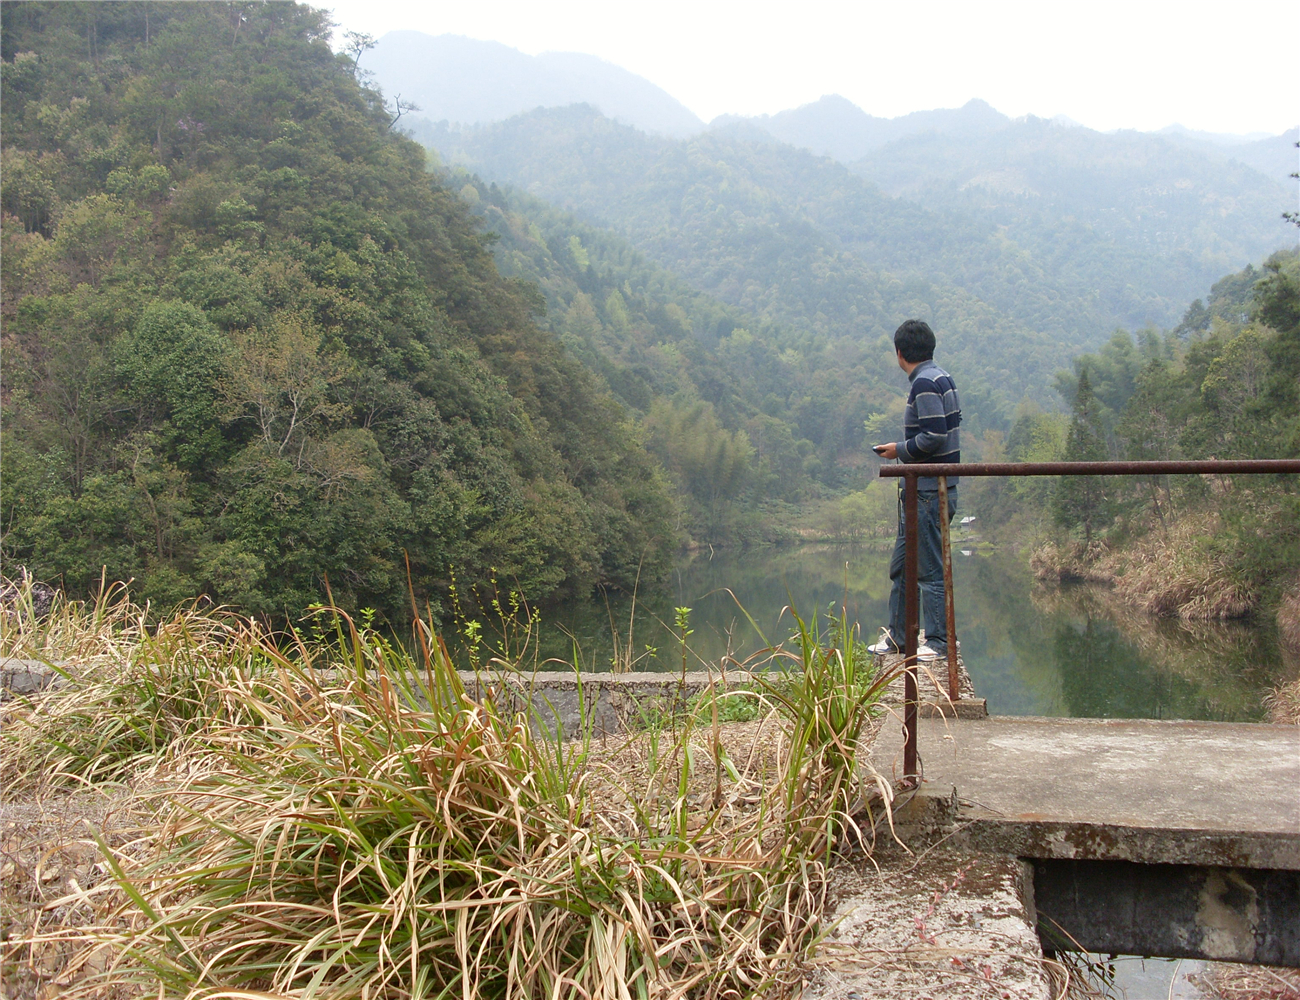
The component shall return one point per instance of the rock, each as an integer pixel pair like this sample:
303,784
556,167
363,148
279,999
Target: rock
19,678
25,593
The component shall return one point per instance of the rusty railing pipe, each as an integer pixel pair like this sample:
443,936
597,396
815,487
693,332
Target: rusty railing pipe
949,608
912,625
911,473
1254,466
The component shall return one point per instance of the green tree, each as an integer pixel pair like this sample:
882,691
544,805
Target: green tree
1082,501
1035,437
1278,306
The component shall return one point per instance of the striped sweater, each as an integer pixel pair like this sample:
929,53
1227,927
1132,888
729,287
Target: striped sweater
931,421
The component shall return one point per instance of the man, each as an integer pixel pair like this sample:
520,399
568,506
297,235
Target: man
930,434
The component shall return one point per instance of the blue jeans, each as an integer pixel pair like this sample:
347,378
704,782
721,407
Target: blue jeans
930,566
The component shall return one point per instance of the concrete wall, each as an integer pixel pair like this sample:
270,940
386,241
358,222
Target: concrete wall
607,703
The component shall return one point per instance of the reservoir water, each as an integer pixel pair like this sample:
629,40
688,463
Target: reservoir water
1030,649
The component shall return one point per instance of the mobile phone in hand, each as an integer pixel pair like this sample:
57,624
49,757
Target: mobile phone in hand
879,449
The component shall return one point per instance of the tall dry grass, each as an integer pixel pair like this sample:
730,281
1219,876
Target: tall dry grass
71,633
1171,571
1288,620
1283,704
129,691
1176,573
344,820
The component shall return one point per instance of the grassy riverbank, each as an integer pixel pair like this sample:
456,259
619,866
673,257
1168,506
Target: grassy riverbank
202,807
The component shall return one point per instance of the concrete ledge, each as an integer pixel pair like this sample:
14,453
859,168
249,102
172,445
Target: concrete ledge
958,926
1147,791
642,680
963,708
1170,891
606,703
1101,841
931,815
610,702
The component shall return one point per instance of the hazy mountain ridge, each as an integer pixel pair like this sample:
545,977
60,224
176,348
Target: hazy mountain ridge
975,159
1058,273
834,126
1274,156
1163,215
717,211
464,80
1128,225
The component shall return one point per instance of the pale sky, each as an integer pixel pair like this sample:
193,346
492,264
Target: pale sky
1134,64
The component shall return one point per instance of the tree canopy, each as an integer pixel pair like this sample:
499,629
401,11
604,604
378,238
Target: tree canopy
252,345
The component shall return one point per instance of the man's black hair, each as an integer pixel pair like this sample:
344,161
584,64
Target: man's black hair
914,340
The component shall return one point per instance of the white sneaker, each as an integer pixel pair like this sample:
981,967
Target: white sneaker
884,645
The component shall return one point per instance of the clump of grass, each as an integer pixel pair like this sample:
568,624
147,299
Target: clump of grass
829,702
1228,981
69,632
1288,620
372,831
1283,704
731,705
128,692
1174,572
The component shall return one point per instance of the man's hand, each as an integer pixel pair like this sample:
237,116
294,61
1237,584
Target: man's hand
886,450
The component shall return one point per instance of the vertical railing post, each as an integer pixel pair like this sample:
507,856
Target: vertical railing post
949,606
911,586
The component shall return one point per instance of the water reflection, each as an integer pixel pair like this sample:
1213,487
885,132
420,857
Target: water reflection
1030,650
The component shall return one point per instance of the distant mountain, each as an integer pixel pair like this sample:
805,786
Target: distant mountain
1273,156
800,241
1216,138
835,126
1180,205
1186,207
1062,229
467,81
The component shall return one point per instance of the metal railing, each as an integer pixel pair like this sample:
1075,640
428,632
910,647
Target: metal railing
910,474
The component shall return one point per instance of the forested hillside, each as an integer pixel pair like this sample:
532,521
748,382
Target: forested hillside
252,345
750,222
1025,226
1224,383
745,415
1148,220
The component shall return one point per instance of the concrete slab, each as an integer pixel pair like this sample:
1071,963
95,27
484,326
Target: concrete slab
955,926
1135,790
